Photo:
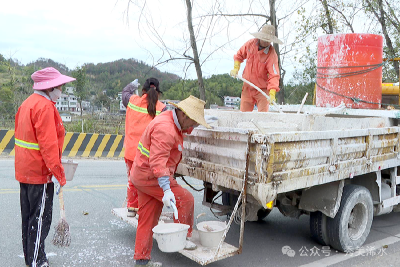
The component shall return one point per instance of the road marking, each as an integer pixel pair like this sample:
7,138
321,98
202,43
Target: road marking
328,261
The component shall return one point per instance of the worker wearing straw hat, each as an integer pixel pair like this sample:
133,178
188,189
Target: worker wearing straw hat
261,69
159,153
39,139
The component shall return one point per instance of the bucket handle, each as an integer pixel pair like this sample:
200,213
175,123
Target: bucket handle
198,216
208,228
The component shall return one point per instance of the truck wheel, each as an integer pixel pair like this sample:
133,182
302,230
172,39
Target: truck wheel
350,227
262,213
318,228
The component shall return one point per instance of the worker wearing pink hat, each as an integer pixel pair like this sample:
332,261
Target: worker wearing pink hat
39,139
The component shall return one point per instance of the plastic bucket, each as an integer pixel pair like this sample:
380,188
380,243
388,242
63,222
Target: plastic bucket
69,168
211,232
347,70
171,237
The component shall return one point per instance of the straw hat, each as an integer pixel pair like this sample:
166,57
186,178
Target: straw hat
267,34
194,109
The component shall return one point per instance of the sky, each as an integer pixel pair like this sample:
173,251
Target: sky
76,32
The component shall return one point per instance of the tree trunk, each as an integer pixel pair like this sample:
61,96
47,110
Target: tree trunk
193,44
381,18
80,103
391,51
272,14
328,16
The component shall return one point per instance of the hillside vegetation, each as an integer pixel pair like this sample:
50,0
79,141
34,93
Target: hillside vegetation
107,79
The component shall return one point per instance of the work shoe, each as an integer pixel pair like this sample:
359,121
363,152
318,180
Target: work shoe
148,264
132,212
190,245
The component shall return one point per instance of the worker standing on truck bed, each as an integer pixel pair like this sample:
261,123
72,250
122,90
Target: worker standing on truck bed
140,111
159,153
261,69
39,139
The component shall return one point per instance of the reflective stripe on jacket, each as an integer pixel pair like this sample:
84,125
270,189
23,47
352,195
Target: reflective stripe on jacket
261,69
137,118
159,150
39,139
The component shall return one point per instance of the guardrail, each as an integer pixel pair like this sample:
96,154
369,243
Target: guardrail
76,145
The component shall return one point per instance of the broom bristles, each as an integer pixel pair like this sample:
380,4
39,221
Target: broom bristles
62,236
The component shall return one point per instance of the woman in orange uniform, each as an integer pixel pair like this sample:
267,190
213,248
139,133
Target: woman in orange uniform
39,139
159,153
140,111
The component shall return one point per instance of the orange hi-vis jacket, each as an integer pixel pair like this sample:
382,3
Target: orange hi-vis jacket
261,68
39,139
136,121
159,151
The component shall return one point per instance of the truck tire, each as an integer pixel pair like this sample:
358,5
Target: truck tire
318,228
350,228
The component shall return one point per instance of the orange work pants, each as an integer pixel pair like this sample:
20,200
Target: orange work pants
150,207
131,192
251,96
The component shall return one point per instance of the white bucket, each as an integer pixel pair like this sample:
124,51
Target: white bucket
69,168
211,238
171,237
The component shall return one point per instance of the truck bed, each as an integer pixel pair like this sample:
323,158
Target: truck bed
295,151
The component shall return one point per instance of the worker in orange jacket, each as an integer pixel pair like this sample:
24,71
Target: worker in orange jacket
39,139
261,69
140,111
159,153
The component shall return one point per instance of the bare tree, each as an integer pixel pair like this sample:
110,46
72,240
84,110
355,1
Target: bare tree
193,45
377,8
192,53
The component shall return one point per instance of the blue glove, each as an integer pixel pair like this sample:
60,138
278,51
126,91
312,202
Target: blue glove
57,185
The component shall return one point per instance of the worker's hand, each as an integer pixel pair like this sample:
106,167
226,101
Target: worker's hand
236,67
272,93
135,83
168,197
57,185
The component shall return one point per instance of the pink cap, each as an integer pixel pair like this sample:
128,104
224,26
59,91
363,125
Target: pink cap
49,78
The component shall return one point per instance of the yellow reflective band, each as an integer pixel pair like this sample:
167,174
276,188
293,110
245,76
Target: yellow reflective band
26,145
139,109
143,150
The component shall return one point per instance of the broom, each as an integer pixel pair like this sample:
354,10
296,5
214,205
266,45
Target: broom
62,236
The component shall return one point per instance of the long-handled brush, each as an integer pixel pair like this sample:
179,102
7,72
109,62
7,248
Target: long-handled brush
62,236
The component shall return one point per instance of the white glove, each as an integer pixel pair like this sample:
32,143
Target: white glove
57,185
168,197
135,83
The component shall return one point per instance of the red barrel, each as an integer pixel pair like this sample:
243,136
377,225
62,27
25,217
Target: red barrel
349,70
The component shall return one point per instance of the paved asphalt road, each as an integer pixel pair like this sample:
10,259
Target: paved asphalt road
100,239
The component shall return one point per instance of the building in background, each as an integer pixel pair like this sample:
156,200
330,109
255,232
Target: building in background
66,117
67,103
169,106
69,90
122,108
232,102
85,105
